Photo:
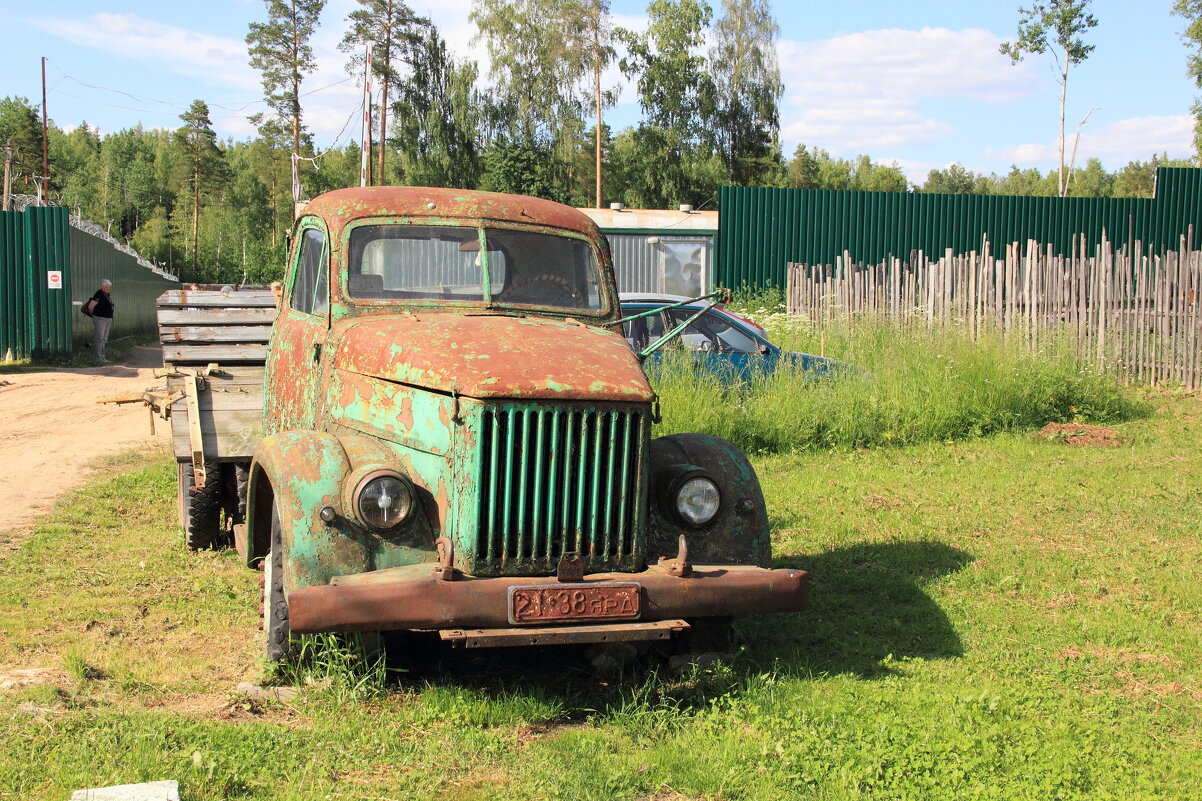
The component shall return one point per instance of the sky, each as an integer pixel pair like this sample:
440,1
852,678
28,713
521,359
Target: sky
919,83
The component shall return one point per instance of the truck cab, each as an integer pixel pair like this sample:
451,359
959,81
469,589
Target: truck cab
458,439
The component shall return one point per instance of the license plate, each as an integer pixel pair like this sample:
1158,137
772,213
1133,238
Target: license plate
611,601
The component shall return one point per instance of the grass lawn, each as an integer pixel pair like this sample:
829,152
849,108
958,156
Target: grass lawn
1010,617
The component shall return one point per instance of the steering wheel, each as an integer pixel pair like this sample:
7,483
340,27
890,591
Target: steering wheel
542,289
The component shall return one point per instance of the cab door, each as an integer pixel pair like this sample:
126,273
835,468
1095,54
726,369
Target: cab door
294,358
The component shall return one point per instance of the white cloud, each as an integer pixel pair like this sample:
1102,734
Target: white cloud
215,60
1134,139
862,91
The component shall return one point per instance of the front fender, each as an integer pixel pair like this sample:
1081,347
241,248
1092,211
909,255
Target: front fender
739,535
299,472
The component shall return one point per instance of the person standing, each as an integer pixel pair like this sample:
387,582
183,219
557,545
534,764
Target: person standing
102,317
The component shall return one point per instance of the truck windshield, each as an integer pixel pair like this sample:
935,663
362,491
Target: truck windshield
430,262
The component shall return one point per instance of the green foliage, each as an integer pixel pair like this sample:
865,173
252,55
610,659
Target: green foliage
437,115
955,180
820,170
668,159
394,32
1055,27
20,130
747,92
1191,11
523,168
923,384
279,49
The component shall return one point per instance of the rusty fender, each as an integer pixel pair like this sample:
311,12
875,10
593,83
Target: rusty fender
415,598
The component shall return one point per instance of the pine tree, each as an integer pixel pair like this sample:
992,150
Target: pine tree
279,49
204,162
394,32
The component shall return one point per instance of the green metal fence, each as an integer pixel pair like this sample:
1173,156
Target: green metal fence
761,231
39,316
135,286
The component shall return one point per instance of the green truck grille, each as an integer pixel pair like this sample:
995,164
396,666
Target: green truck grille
559,479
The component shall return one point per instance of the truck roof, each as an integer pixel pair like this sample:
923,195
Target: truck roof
343,205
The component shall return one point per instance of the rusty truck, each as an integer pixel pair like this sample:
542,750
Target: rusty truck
437,425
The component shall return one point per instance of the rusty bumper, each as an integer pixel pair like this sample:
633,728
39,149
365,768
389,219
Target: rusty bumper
415,598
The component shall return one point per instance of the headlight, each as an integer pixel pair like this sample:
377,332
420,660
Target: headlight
697,500
383,501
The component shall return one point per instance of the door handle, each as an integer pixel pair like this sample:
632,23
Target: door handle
317,351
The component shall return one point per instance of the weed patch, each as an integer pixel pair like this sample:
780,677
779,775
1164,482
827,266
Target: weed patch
921,385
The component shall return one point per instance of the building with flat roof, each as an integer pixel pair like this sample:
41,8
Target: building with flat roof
659,250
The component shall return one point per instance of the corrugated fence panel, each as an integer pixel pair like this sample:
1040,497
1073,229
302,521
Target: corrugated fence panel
763,230
13,309
135,288
47,248
38,320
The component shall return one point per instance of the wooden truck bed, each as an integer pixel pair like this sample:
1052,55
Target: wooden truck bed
219,341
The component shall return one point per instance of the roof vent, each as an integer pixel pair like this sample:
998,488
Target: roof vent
616,206
687,208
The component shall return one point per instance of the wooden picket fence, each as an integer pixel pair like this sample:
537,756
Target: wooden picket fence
1127,310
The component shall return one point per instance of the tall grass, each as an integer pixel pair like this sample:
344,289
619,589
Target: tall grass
921,384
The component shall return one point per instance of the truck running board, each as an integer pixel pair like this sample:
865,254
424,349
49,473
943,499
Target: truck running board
563,635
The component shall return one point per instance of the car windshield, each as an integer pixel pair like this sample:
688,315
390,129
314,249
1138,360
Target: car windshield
432,262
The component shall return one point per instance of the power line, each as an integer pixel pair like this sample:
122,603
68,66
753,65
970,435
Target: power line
227,108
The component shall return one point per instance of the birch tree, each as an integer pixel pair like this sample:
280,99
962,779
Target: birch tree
1055,27
748,90
1191,11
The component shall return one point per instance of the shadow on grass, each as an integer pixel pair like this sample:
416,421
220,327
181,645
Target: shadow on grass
867,606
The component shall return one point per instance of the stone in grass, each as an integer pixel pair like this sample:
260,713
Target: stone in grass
149,791
257,692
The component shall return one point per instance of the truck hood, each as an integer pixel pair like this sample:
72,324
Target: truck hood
494,356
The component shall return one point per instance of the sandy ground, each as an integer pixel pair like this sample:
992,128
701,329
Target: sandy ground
51,428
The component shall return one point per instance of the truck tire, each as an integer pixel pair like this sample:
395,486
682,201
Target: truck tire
200,510
275,605
241,484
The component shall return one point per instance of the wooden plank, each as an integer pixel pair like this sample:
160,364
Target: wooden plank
228,435
204,354
210,298
221,402
216,316
214,333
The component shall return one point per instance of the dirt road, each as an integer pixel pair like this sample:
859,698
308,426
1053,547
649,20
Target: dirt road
52,429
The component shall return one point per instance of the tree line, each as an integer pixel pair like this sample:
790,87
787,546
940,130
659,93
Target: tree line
708,87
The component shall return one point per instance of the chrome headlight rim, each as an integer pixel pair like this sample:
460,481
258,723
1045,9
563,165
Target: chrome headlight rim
406,486
676,487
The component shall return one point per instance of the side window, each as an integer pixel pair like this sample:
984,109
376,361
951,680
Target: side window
310,290
642,332
710,332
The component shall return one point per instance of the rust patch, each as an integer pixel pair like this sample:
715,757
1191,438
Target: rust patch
527,358
341,206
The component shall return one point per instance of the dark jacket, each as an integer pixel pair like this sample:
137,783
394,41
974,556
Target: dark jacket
104,304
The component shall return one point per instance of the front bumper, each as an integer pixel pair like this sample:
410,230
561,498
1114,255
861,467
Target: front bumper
414,597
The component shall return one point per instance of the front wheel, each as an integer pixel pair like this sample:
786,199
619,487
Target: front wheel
275,604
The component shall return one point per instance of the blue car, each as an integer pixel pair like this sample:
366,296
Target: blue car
723,342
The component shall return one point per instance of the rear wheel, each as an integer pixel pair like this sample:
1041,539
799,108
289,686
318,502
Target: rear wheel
200,509
275,605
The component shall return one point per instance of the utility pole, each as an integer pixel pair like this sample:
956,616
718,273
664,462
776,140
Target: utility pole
45,152
365,136
8,174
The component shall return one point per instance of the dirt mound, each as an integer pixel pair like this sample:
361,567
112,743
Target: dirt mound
1081,434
